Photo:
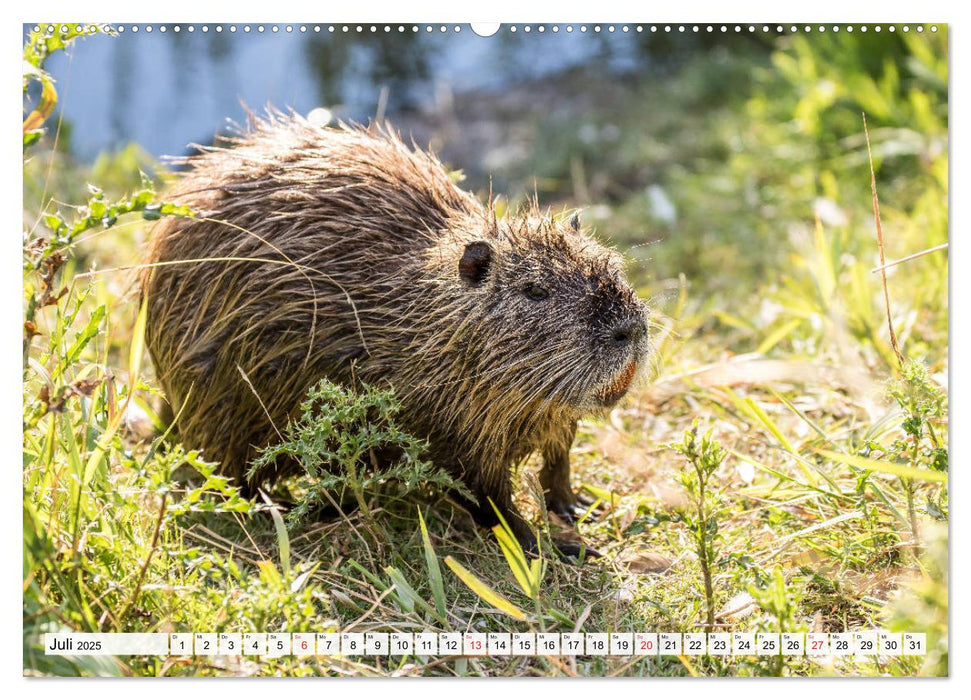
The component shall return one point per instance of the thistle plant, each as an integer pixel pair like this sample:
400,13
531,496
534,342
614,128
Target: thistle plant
338,434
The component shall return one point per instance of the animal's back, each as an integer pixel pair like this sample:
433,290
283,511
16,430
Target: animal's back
301,236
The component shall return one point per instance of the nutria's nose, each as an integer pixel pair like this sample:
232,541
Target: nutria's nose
629,332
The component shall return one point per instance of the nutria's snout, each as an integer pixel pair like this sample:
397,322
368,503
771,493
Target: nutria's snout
630,336
629,332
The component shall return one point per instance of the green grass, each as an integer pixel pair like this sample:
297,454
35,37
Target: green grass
830,503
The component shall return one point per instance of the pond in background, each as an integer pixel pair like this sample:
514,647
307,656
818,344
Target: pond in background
166,90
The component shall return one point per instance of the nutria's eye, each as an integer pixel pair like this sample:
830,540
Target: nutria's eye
536,292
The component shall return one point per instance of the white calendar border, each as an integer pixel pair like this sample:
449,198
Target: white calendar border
442,10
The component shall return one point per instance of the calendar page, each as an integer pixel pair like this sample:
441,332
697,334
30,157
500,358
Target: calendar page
546,349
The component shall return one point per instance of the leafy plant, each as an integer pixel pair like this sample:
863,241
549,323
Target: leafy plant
704,457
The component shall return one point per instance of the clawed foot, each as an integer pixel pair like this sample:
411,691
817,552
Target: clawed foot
573,510
564,548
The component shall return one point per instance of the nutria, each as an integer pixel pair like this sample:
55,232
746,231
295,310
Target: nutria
343,253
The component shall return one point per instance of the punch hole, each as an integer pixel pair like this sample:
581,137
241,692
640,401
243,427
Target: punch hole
485,29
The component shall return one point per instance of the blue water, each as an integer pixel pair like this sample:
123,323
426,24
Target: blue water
165,90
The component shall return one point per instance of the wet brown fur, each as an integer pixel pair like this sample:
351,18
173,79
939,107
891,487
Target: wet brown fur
343,253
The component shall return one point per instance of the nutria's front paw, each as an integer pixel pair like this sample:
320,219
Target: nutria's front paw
574,508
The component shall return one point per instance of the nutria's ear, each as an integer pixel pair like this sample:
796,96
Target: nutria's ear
475,261
575,222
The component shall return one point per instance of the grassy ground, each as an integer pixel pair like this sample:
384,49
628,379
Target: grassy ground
818,502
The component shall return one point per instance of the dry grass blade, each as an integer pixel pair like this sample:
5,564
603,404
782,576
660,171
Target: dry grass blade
908,258
883,261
